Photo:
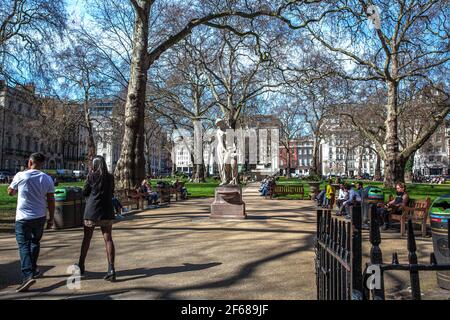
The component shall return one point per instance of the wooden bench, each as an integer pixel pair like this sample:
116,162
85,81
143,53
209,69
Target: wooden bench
130,198
177,191
271,190
285,190
164,193
417,210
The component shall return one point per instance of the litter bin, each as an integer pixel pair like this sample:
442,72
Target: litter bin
371,195
68,207
76,194
439,216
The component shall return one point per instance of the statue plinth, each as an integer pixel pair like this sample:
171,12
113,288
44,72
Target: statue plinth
228,203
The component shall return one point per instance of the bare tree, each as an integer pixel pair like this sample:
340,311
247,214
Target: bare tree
181,88
289,112
81,70
28,29
130,167
407,43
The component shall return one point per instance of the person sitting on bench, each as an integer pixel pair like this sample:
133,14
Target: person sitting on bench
393,207
118,208
181,189
353,197
342,198
147,193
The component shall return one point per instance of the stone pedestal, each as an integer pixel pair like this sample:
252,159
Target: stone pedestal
228,203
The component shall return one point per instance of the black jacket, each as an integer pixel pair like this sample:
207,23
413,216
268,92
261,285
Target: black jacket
99,198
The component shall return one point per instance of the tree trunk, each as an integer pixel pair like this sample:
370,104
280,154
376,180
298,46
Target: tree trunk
346,162
90,137
393,170
130,168
199,173
315,156
377,175
360,164
409,168
288,162
174,168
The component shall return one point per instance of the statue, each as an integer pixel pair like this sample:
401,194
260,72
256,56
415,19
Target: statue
228,202
226,156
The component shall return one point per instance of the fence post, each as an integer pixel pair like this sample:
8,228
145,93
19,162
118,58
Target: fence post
376,256
356,252
319,254
412,258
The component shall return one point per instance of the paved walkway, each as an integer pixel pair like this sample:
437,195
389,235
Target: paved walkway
179,253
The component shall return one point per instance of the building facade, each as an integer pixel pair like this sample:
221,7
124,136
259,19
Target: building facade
301,156
30,123
265,145
433,157
107,120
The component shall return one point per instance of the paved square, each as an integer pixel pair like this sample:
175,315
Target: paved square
179,253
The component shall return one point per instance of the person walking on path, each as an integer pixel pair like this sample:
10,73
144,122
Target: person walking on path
99,211
35,192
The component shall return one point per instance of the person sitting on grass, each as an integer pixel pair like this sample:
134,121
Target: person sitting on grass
393,207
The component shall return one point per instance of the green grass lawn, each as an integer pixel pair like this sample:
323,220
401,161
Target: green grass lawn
8,203
196,190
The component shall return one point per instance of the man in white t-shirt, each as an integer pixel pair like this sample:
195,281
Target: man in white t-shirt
35,192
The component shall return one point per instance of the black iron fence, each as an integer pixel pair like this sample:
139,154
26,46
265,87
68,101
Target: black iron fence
338,261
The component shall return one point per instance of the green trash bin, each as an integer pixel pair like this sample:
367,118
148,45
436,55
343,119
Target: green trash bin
371,195
68,207
439,216
64,209
76,194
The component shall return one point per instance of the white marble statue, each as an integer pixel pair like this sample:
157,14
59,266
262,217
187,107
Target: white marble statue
226,156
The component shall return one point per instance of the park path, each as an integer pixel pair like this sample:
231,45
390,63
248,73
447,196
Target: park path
179,253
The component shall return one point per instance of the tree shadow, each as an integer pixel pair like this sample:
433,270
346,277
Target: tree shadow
139,273
98,296
11,274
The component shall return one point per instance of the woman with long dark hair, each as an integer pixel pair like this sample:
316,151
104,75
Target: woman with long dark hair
99,211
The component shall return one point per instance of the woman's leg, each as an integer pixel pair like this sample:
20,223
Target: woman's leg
88,231
109,244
